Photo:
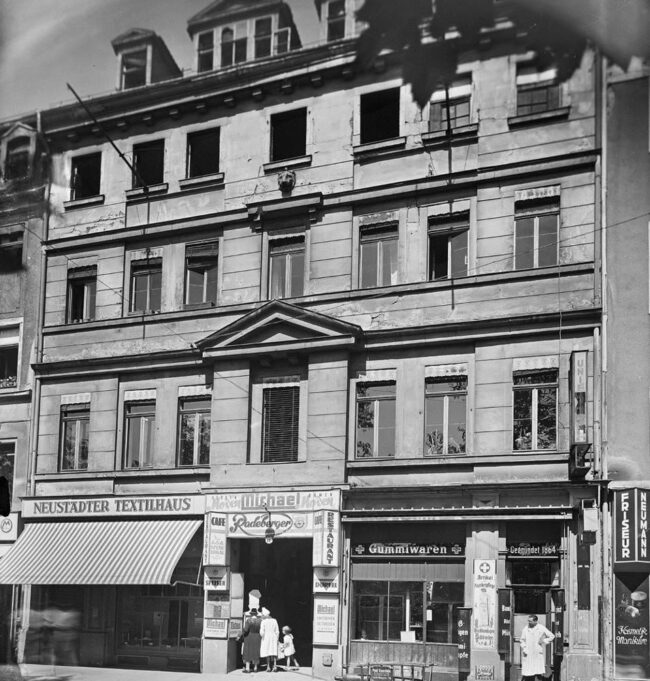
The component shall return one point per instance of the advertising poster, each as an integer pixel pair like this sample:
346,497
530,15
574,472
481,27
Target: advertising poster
484,630
326,620
505,621
326,580
215,628
215,539
215,578
631,624
236,628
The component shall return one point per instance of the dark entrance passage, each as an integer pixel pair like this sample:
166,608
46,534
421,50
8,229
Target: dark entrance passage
282,572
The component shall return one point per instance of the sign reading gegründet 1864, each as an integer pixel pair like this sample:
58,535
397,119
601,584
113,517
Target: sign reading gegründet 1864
630,529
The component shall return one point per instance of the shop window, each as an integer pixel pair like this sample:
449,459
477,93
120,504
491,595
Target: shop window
85,176
194,431
205,51
375,423
445,415
75,422
17,159
535,410
378,256
335,20
288,134
149,161
286,267
233,44
448,238
146,285
380,115
445,115
537,237
139,425
263,37
203,153
7,464
82,288
201,273
280,421
134,69
8,366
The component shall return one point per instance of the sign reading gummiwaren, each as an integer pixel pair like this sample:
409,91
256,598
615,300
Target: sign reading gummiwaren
173,504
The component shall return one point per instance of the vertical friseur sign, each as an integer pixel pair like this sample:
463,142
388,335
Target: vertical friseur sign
630,526
484,630
214,546
326,539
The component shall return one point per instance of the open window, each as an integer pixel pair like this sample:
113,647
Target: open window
139,428
378,255
85,176
9,344
535,417
375,419
134,68
379,114
288,134
448,243
82,289
445,414
205,51
203,152
17,159
201,272
149,161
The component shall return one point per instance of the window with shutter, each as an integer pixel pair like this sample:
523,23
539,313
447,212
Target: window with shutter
201,272
280,423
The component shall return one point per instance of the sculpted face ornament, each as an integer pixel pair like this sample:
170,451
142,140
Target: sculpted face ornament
286,180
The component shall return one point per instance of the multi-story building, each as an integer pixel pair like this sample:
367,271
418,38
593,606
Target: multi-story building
309,345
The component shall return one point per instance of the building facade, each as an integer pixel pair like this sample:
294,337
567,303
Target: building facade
306,344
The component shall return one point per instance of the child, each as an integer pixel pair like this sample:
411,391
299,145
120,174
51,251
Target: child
287,648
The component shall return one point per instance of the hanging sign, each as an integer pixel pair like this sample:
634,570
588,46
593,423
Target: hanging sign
326,580
306,500
485,597
215,578
630,526
463,635
214,551
326,539
326,620
528,549
256,524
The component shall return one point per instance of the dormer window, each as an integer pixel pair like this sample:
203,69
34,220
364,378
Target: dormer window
335,20
233,44
263,37
134,69
17,158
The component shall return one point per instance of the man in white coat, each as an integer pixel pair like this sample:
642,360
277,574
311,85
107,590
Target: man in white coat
532,641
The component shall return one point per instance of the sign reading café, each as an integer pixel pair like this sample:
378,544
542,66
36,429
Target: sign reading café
162,505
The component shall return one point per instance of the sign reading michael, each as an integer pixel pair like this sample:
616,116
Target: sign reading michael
631,527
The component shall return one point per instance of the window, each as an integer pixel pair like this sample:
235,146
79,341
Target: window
203,153
201,272
85,176
11,249
7,464
75,420
288,134
149,161
134,69
286,267
375,426
378,257
448,247
17,158
454,115
534,98
534,409
335,20
194,431
233,44
445,413
8,366
205,50
82,287
382,611
537,237
280,421
139,434
263,37
380,116
146,283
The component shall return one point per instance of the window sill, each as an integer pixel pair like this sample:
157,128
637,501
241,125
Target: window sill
541,117
199,306
517,457
128,473
142,313
379,148
213,180
80,321
463,133
152,190
84,203
297,162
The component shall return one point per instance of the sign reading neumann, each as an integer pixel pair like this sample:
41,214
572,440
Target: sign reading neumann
630,522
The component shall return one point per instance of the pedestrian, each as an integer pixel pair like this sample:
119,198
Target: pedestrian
287,648
533,656
251,641
270,633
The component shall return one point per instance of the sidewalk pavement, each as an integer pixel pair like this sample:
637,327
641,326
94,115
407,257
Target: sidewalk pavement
40,672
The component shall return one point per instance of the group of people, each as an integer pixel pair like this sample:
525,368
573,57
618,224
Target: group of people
261,639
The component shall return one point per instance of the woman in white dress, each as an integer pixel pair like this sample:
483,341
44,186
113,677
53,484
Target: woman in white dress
270,633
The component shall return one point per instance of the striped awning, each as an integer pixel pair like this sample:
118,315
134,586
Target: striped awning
107,552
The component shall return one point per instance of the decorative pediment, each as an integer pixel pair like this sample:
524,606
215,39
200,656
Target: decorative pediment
133,35
226,10
18,130
280,327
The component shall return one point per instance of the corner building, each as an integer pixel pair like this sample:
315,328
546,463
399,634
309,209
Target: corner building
322,345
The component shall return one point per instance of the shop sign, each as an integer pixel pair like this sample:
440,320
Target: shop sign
186,504
215,539
326,580
326,539
631,626
256,524
215,628
485,596
215,578
484,672
308,500
631,526
463,635
236,627
406,550
326,621
525,549
9,528
504,619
